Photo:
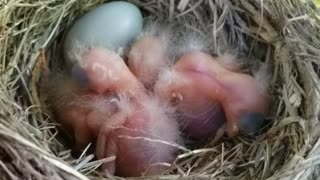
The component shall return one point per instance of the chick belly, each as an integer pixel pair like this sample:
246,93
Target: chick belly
137,152
133,158
139,157
201,119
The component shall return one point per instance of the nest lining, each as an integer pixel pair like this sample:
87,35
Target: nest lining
282,33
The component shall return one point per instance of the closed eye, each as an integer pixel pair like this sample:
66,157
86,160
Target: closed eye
79,75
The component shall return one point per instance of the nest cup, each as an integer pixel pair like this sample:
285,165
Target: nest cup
283,34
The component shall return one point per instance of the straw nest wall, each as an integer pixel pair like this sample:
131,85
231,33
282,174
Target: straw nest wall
283,33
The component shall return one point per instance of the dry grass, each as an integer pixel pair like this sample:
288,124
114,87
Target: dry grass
283,33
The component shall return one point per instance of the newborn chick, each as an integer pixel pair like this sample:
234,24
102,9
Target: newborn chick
84,106
197,74
139,136
147,58
199,117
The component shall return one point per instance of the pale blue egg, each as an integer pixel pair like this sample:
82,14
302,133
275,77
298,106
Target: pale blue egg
111,25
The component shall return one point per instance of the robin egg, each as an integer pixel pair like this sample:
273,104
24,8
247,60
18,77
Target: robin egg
112,26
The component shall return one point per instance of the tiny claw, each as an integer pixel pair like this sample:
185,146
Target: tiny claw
232,129
180,97
109,168
79,75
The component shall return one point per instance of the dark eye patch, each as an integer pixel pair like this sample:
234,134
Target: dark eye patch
252,123
79,75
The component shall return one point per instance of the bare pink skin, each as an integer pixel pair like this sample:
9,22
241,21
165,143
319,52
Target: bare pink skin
147,58
136,138
106,71
113,120
85,117
201,76
74,118
107,74
199,116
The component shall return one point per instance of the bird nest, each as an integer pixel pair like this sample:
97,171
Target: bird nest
284,34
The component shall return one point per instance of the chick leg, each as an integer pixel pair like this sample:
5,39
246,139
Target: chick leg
82,136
